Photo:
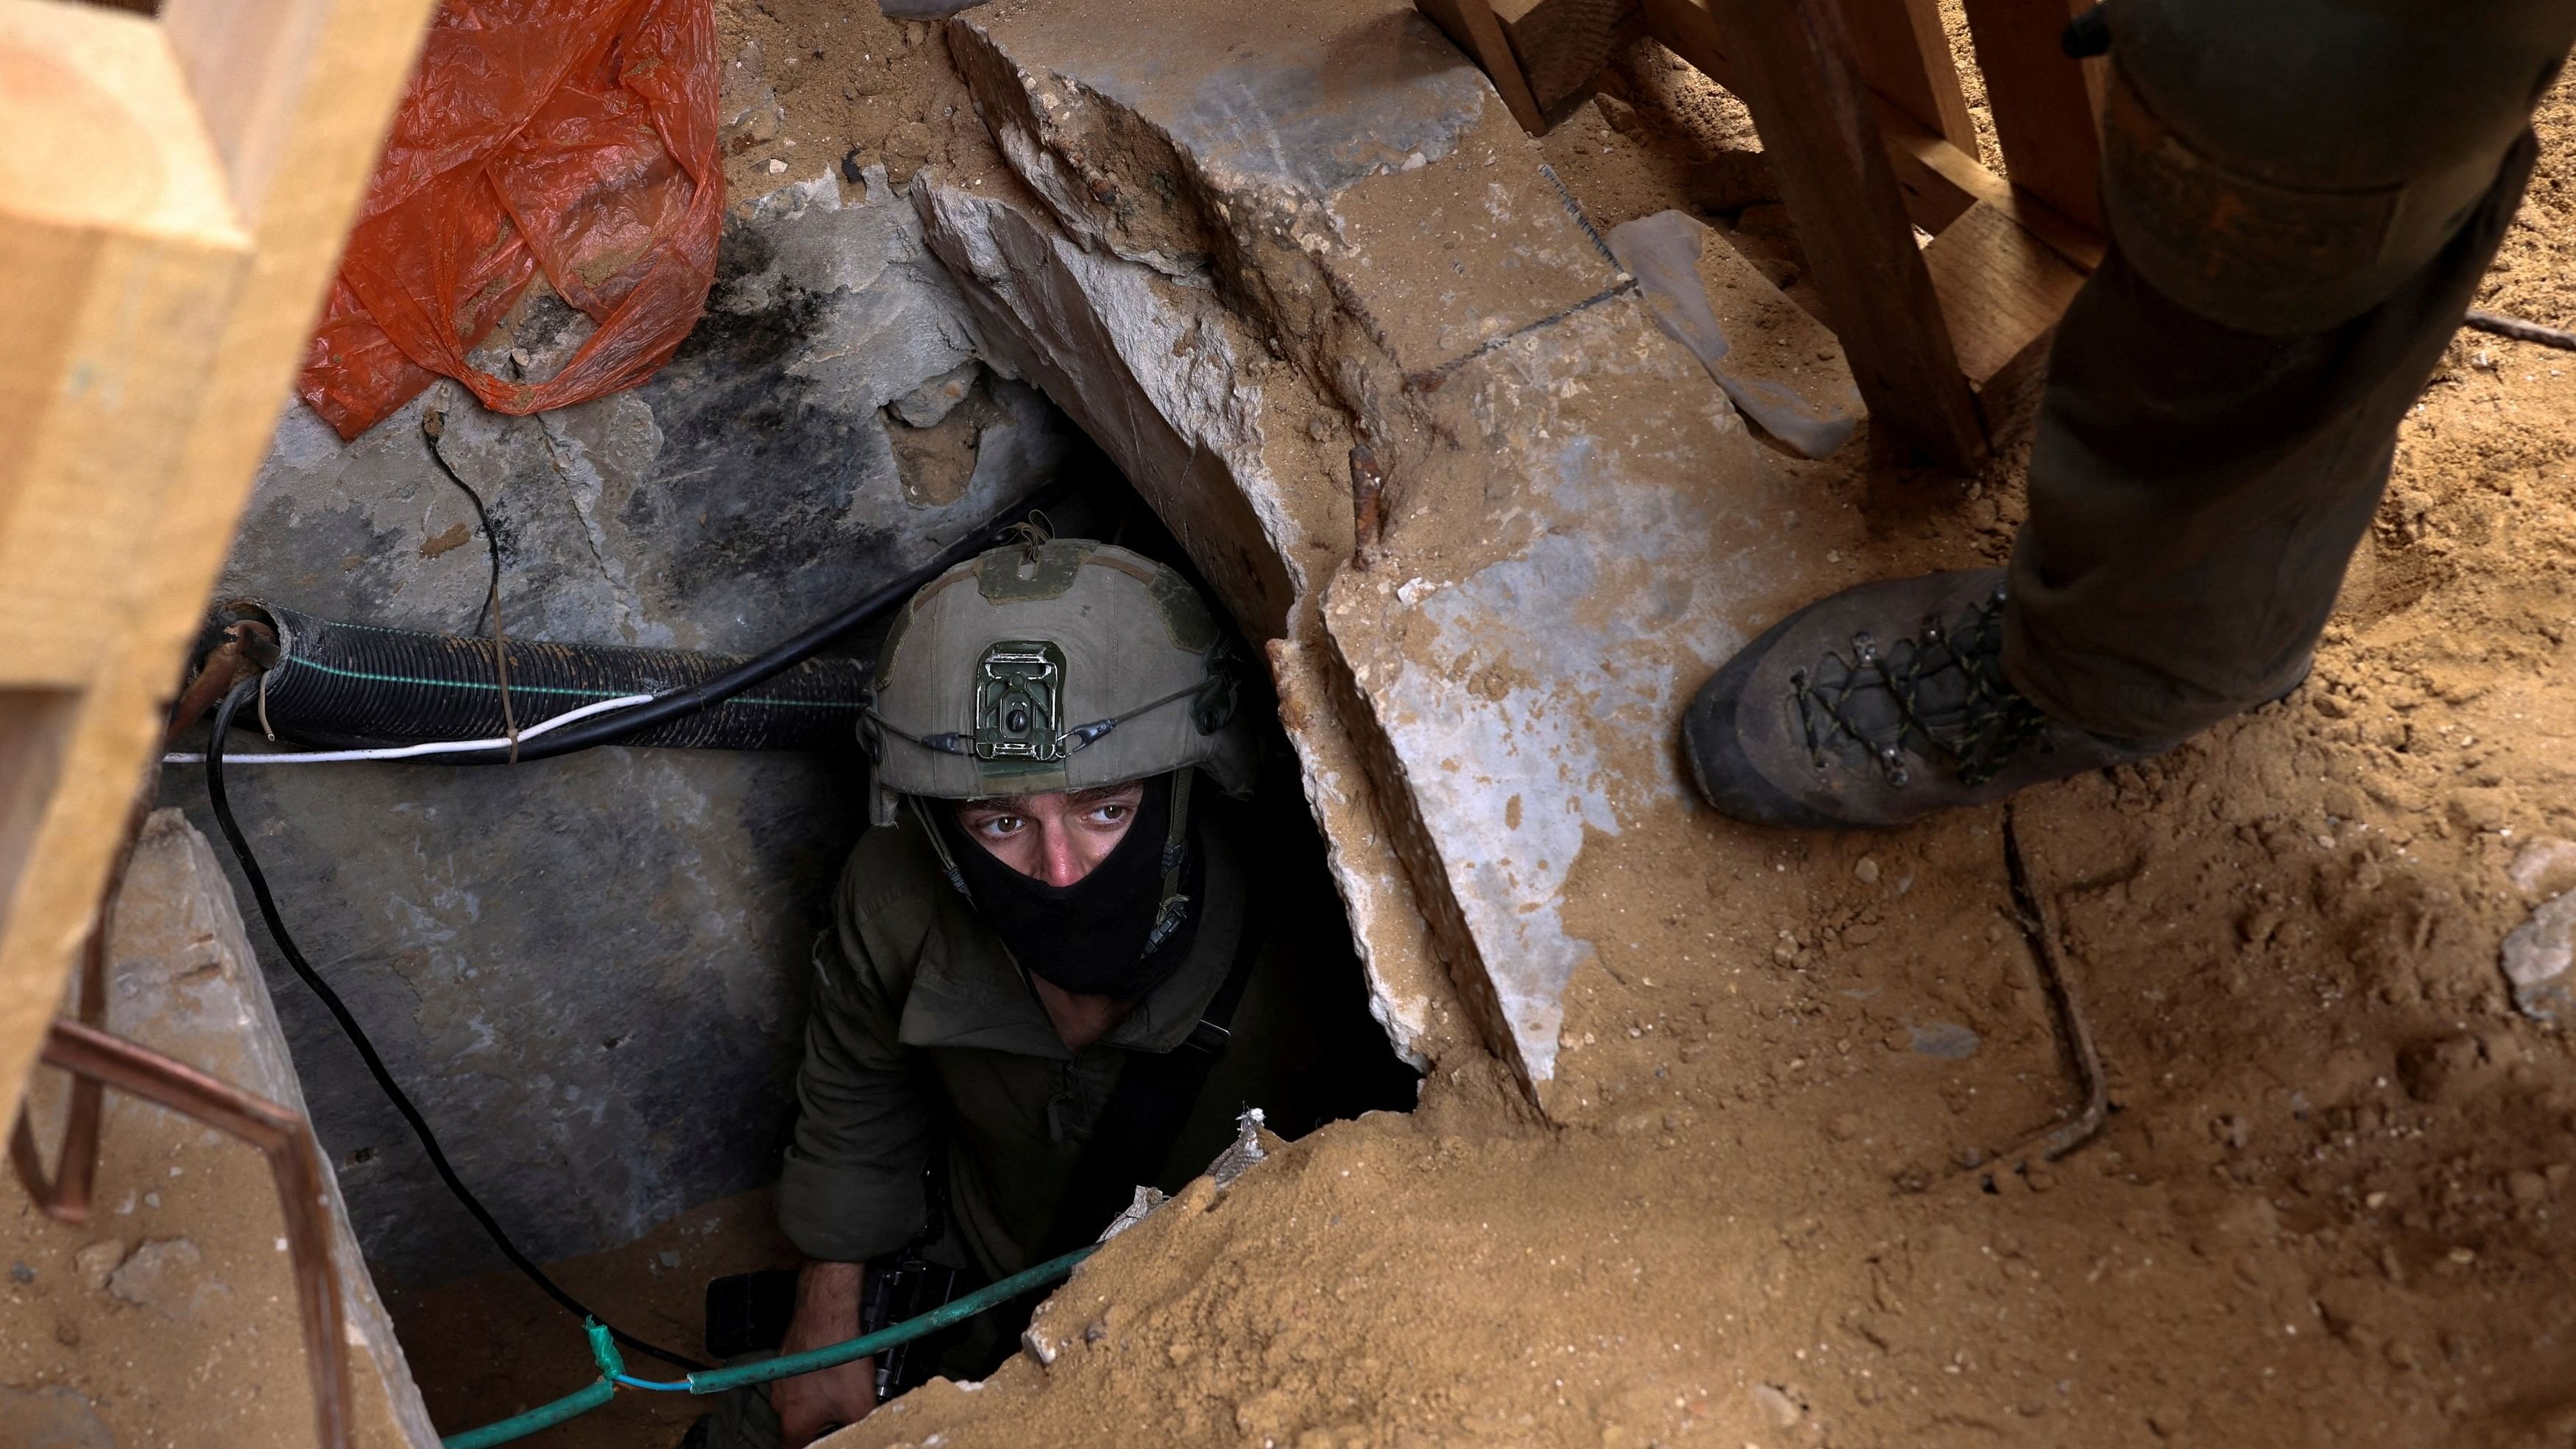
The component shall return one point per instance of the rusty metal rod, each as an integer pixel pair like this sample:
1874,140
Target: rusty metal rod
2521,331
236,659
2074,1031
94,1056
1368,503
67,1197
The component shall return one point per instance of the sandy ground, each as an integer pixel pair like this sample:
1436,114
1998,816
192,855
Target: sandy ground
2333,1202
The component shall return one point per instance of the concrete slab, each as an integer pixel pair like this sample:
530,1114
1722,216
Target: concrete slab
1605,529
170,1317
1338,169
1233,453
1161,375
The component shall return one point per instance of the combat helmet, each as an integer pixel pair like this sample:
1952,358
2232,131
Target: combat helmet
1049,665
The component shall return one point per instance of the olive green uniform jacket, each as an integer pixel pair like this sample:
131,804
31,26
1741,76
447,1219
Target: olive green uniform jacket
925,1034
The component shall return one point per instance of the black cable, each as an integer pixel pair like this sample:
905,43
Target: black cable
432,424
366,1049
609,728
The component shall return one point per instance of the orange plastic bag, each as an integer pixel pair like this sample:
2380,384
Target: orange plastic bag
576,135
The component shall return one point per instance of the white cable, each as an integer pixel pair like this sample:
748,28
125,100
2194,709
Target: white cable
406,752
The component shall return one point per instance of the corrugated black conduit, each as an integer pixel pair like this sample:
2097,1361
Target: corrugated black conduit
823,703
336,684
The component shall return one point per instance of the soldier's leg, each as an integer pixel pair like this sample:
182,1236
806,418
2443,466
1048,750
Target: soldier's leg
2196,491
2302,197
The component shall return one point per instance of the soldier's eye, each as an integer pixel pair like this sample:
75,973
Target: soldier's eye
1110,814
1001,824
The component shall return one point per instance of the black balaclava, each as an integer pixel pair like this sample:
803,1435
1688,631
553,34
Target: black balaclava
1089,937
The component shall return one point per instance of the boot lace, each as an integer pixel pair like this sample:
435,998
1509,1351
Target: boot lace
1939,694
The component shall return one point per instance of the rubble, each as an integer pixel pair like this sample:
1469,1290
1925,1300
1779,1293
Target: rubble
167,1276
2536,958
53,1417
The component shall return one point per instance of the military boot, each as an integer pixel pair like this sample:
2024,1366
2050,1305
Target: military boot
1877,706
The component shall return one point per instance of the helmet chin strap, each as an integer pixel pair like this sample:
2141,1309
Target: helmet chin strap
1173,909
939,847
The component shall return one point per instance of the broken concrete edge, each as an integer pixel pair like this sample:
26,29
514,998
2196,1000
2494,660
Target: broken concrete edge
223,1021
1097,331
1410,994
1253,1144
1116,343
1405,853
1263,184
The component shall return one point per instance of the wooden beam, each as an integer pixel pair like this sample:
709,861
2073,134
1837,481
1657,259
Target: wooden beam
1938,180
245,60
1793,67
2001,289
1904,56
1941,182
1471,26
1562,45
2046,104
1685,28
180,195
122,245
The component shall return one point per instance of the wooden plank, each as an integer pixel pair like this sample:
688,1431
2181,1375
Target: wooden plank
1937,179
2046,105
1794,69
1685,28
1934,195
1904,55
35,726
1926,168
1941,182
286,171
120,203
1563,44
1471,26
2000,287
244,61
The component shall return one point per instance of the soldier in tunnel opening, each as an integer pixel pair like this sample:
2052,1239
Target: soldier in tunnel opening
1062,963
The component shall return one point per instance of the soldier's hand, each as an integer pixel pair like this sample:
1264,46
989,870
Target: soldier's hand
812,1405
827,1312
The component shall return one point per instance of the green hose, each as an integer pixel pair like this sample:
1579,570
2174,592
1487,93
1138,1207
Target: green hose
717,1381
603,1350
544,1416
